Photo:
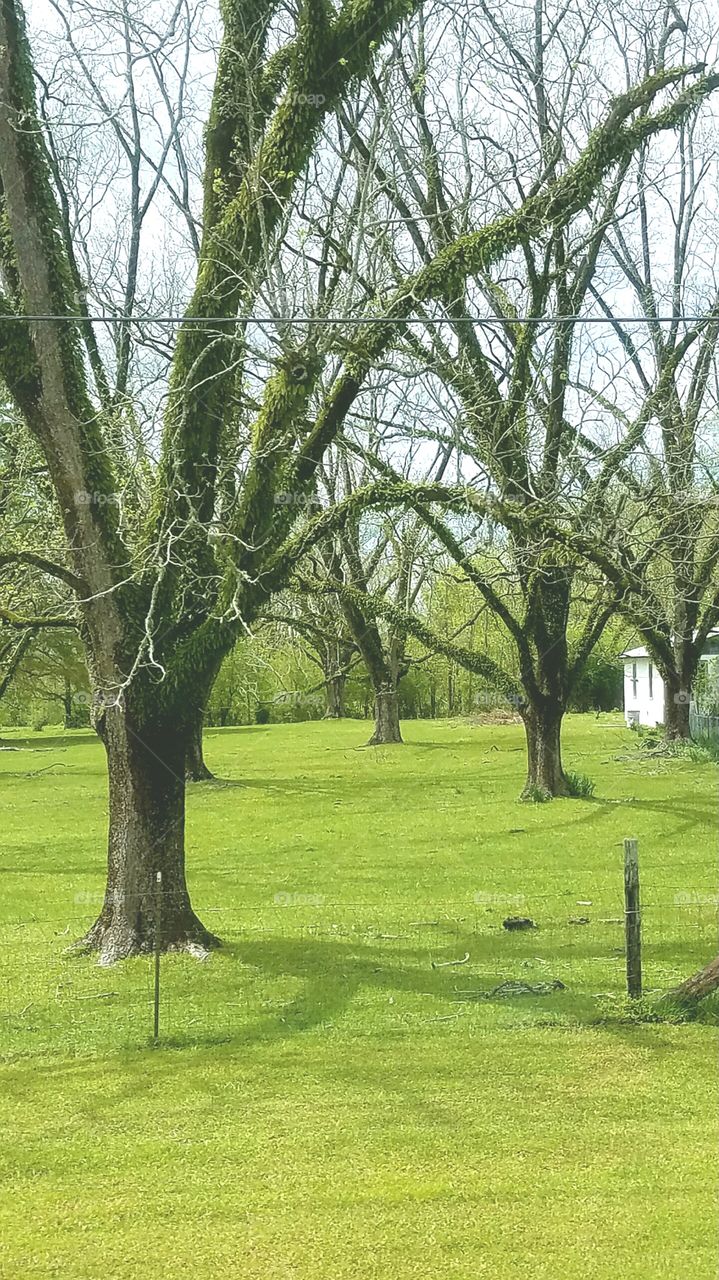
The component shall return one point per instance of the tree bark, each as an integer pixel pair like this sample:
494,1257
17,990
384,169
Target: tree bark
67,705
543,728
676,708
335,691
700,984
383,670
386,716
146,835
195,768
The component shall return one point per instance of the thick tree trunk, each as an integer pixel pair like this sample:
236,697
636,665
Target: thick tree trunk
676,708
543,728
146,835
386,716
335,692
335,657
195,768
384,673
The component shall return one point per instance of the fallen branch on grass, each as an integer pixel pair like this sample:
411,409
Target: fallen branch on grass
445,964
506,990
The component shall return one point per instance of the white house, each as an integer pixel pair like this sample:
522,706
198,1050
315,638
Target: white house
644,687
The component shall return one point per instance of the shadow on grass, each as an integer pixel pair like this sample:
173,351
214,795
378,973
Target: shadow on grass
698,815
334,974
571,808
382,995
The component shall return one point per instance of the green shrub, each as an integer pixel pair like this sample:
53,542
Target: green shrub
580,786
703,752
652,1007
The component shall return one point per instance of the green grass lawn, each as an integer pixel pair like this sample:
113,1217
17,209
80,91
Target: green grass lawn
325,1103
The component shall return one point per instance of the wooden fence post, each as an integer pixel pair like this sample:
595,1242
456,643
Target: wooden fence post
632,918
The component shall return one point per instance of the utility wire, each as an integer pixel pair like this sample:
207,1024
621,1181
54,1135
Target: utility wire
362,320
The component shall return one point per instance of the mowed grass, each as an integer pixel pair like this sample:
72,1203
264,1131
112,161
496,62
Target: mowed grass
324,1101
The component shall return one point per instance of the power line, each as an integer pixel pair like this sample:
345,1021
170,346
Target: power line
361,320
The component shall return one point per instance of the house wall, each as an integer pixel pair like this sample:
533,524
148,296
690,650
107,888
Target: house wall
638,704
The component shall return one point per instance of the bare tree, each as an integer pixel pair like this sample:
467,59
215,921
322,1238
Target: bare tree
653,525
384,556
524,423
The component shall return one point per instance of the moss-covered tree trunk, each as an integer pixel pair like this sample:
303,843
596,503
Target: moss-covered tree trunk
543,728
386,696
335,692
386,715
146,835
385,680
544,661
382,670
335,656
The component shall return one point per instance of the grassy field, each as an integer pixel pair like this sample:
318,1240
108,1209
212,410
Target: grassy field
325,1103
